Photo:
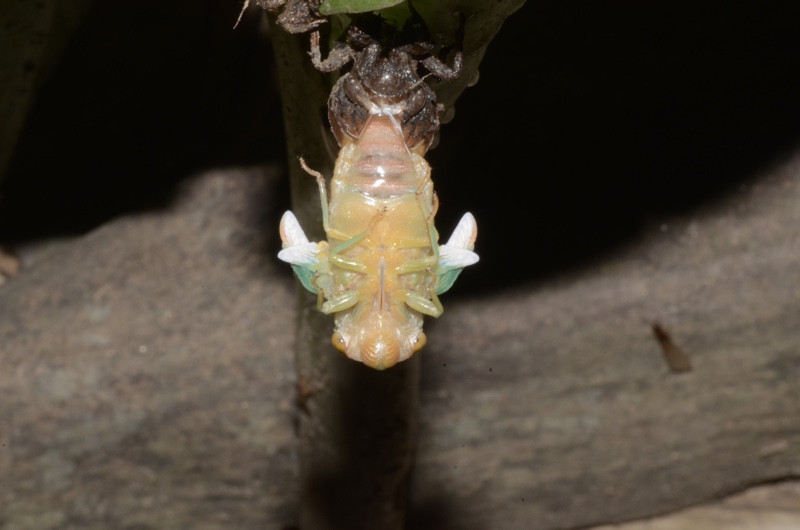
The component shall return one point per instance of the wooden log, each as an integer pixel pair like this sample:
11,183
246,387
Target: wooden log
146,369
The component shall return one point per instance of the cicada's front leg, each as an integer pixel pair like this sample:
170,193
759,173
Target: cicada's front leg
456,253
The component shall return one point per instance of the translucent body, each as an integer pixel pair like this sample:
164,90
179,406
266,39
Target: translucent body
381,268
382,247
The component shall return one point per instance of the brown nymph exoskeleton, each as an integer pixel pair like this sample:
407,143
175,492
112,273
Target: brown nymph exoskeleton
389,86
294,16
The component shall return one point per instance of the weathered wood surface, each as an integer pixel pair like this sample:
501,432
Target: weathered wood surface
147,380
774,507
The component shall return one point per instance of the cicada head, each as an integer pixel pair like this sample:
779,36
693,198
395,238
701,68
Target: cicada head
379,348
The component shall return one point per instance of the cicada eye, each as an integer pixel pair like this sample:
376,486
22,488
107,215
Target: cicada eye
420,342
339,343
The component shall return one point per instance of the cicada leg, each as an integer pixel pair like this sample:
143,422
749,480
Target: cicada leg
340,303
428,212
427,306
323,191
338,57
432,305
325,301
349,263
333,256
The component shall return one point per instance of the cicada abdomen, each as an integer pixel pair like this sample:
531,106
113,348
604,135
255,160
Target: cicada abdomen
381,269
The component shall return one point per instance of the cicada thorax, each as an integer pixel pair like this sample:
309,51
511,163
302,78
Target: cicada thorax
382,245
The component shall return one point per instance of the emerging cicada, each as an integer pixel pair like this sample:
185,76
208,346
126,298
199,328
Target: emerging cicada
381,268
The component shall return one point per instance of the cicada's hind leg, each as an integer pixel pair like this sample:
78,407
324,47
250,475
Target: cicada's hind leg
339,303
427,305
351,297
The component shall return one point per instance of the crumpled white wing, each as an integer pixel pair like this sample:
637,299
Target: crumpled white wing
291,232
456,258
457,252
297,250
304,255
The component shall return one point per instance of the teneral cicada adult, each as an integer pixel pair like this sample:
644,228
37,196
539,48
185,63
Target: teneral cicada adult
381,268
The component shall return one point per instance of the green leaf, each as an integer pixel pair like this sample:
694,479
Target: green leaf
481,22
337,7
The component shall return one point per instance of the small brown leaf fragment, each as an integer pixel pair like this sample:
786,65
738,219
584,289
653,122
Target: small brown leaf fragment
676,358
